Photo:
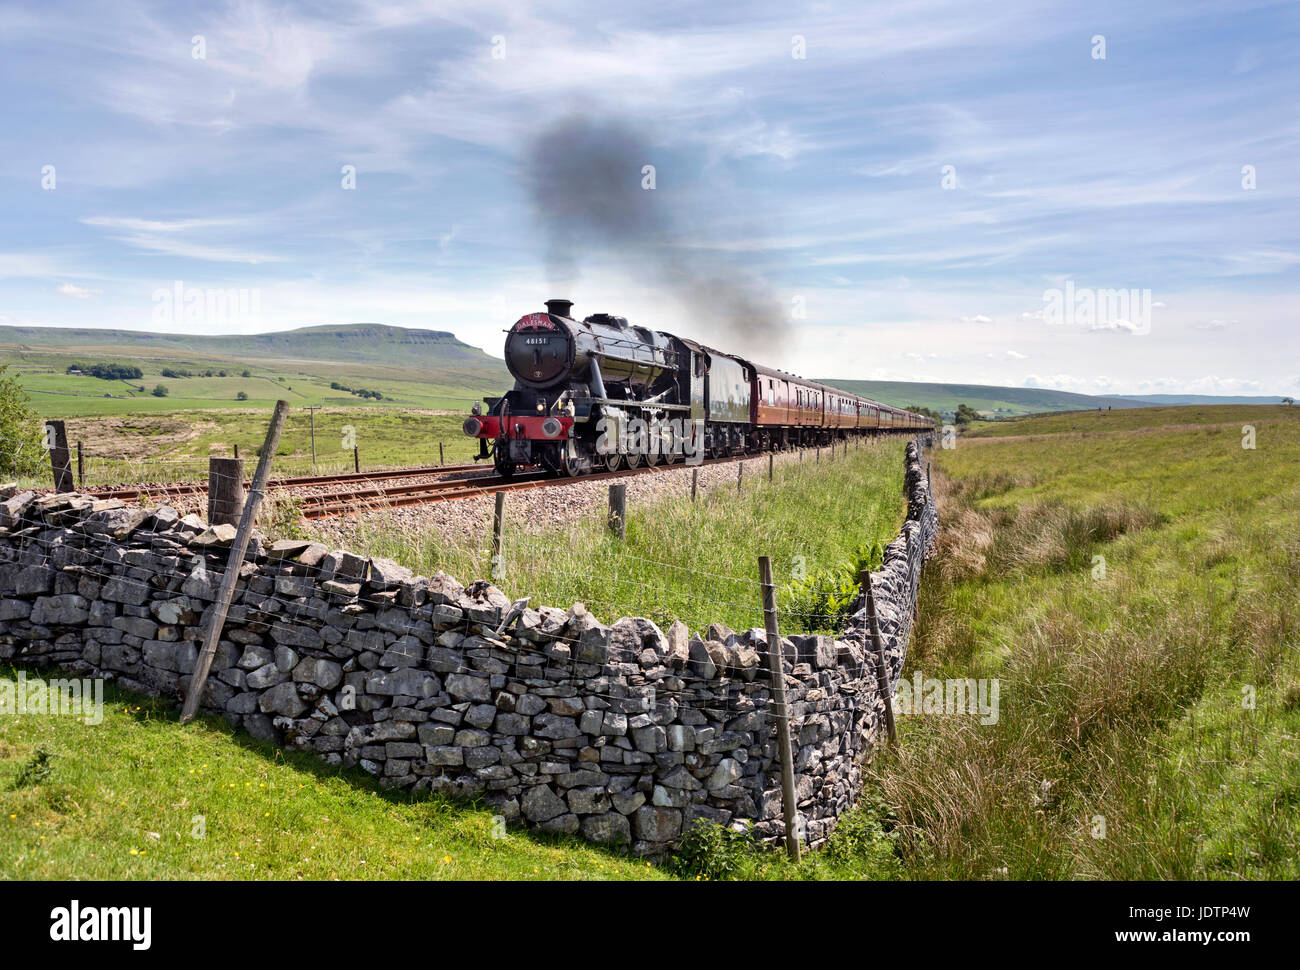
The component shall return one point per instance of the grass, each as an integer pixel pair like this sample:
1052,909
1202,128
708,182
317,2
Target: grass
176,445
438,376
1132,586
694,561
140,797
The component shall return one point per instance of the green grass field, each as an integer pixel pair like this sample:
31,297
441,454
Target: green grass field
57,394
140,797
176,446
1150,698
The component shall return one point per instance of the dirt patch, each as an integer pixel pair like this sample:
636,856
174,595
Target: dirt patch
136,436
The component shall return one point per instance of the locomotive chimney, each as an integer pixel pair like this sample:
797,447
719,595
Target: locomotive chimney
561,308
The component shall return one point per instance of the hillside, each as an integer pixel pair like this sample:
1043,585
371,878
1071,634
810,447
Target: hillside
1177,399
369,342
410,368
997,401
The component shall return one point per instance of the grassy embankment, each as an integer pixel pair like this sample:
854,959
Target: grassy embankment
1150,699
120,800
694,561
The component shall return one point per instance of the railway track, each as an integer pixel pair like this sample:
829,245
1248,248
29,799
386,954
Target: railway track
304,481
374,495
350,502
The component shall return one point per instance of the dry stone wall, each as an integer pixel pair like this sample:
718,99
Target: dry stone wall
623,733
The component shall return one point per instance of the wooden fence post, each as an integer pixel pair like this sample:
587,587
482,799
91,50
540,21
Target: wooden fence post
56,435
212,635
740,477
236,451
441,459
498,535
225,491
882,668
775,661
618,510
356,459
770,459
695,482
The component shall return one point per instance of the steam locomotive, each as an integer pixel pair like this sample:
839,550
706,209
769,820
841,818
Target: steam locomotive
599,394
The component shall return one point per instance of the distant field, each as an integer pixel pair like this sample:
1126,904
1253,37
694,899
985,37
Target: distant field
56,394
1153,418
999,401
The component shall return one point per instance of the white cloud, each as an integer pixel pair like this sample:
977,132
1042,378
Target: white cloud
78,292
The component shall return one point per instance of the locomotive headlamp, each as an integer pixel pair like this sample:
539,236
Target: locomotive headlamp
472,427
552,427
477,408
541,405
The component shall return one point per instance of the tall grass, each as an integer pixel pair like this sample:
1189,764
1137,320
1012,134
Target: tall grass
694,561
1145,633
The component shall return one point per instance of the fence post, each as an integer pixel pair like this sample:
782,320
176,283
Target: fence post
81,467
356,459
695,482
498,535
212,635
225,491
770,459
56,435
236,451
775,661
618,510
819,454
882,670
441,459
740,477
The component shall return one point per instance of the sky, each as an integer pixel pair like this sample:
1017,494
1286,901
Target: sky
927,191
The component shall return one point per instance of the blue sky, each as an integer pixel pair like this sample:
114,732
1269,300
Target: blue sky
820,176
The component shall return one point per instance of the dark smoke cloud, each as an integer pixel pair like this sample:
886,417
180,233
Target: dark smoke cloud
585,182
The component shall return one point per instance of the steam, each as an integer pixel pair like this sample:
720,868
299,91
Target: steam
585,180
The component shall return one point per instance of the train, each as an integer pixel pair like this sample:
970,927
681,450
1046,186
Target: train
601,394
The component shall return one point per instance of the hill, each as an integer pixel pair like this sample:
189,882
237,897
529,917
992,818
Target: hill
1203,399
993,400
325,365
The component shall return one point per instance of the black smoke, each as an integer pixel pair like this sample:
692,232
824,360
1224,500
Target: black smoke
585,181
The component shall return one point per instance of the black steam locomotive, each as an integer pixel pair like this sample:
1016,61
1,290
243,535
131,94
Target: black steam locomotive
601,394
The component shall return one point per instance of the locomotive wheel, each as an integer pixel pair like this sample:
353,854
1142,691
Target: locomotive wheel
571,466
672,458
633,461
612,462
506,469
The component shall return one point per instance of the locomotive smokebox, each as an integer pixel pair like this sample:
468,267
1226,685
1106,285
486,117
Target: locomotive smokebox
561,308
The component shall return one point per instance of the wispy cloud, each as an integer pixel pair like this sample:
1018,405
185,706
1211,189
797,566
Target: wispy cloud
914,173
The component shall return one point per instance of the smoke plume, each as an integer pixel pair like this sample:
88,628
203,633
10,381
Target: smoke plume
585,180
